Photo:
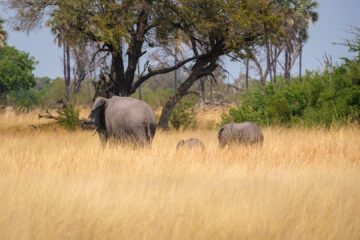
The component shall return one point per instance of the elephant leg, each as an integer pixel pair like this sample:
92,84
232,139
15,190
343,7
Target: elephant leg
138,141
138,136
103,139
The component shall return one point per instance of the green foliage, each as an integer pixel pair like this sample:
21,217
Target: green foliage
183,115
47,93
23,100
69,116
15,70
144,25
322,99
52,92
85,94
155,98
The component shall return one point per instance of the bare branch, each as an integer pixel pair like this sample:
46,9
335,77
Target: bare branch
48,115
146,65
159,71
240,89
193,92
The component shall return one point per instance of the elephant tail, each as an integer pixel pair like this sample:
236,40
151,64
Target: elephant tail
150,129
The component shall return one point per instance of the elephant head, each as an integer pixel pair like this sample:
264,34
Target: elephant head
97,115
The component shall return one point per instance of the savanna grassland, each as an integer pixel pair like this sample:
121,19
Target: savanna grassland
302,184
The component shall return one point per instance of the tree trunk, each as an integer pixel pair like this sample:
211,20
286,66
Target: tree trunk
67,79
138,69
228,83
175,72
201,68
64,62
247,74
119,86
289,67
77,80
202,92
263,80
1,100
300,61
275,65
287,62
268,59
211,90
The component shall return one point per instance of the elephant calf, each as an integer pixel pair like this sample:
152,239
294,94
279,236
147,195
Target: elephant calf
124,120
191,143
246,133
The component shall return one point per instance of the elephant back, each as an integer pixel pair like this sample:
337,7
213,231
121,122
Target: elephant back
241,133
128,117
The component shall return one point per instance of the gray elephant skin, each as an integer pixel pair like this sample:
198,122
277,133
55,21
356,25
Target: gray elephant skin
124,120
191,143
246,133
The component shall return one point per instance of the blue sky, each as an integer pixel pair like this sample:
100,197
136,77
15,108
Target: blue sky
335,17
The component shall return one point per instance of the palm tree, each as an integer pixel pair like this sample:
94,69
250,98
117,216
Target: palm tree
306,14
298,14
58,29
3,34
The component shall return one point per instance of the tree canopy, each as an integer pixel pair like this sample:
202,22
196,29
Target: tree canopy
15,70
127,30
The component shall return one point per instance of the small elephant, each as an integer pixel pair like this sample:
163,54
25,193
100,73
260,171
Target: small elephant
124,120
246,133
191,143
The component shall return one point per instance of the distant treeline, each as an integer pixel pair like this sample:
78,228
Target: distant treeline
50,93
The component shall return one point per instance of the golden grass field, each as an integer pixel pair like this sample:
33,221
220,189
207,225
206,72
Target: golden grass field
54,184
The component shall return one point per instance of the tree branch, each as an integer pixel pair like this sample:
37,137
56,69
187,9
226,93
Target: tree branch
156,72
48,115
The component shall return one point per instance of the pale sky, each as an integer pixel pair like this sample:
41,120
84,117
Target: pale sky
335,17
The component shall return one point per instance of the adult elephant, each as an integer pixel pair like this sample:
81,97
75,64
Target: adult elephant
123,120
245,133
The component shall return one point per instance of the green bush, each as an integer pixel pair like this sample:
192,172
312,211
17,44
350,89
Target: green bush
52,93
48,93
183,115
321,99
69,116
155,98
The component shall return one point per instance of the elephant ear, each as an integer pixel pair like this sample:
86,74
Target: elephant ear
97,114
220,132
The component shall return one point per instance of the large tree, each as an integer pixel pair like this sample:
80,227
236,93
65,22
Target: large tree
297,16
126,30
217,28
305,11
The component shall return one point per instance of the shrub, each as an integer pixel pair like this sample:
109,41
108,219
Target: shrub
69,116
155,98
183,115
23,100
322,99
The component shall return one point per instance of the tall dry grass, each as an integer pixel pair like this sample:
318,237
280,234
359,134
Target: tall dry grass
302,184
